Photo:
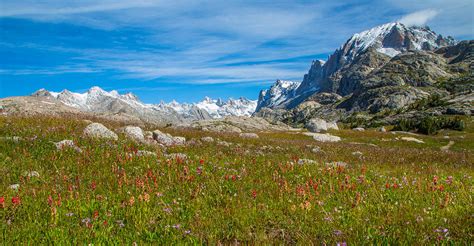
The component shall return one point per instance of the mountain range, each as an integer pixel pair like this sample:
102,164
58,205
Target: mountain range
97,100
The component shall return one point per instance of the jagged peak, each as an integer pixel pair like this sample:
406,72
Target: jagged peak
284,83
392,39
130,96
41,92
96,89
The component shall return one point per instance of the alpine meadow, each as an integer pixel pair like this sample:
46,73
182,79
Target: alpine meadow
195,123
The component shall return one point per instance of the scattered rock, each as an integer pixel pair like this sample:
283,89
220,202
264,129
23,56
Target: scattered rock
148,134
412,139
61,145
15,139
382,129
337,164
224,143
15,186
180,156
306,161
31,174
207,139
357,153
135,133
179,140
193,142
446,147
143,153
324,137
316,149
167,139
97,130
358,129
248,135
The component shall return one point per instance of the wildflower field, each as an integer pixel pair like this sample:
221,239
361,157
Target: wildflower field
282,188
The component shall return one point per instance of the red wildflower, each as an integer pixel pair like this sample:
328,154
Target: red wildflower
201,161
254,194
16,200
50,200
441,187
93,185
58,202
96,214
2,201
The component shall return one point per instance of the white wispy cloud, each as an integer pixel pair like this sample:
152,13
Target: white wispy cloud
419,18
218,41
44,8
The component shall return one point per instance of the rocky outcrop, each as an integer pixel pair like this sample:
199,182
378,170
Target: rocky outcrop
239,124
323,137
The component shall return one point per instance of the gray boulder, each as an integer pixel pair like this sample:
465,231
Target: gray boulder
248,135
166,139
97,130
207,139
135,133
317,125
180,156
64,144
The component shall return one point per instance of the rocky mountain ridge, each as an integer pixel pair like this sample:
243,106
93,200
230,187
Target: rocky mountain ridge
368,50
384,70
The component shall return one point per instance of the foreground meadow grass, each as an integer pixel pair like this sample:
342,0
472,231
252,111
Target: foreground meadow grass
256,191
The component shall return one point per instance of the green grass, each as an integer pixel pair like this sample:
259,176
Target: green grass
272,199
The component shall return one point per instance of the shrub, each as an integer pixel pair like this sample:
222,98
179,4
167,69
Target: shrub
430,125
429,102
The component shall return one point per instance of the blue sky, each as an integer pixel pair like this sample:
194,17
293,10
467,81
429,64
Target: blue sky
185,50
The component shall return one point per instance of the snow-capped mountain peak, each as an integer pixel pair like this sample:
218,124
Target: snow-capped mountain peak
232,107
98,100
394,38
